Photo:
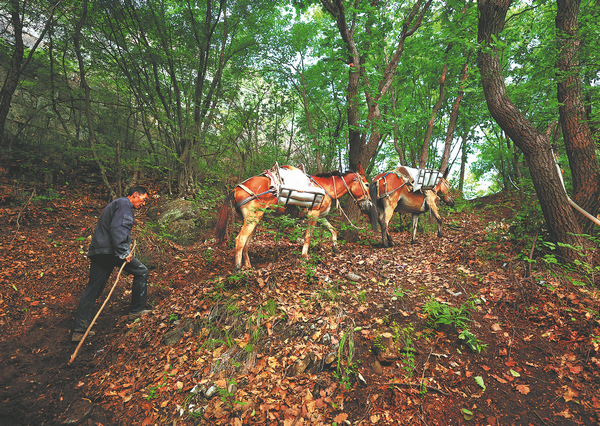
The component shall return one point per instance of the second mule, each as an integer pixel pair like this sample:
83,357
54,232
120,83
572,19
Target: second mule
257,193
391,191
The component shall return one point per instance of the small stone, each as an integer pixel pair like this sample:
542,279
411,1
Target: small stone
211,391
326,340
302,364
232,388
330,358
353,277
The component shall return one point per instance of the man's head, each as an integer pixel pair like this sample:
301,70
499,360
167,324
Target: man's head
138,196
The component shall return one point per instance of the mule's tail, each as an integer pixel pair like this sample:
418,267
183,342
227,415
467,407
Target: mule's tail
223,219
374,213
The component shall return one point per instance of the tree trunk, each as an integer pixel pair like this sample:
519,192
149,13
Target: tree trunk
453,120
558,214
14,72
463,163
360,149
301,89
434,111
88,106
579,145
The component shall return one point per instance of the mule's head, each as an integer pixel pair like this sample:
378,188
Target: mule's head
359,188
442,189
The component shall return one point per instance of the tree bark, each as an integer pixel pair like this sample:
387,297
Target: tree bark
434,111
577,135
88,105
463,163
12,77
18,62
453,120
558,214
361,149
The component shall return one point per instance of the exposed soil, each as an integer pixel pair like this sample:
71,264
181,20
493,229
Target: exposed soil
243,337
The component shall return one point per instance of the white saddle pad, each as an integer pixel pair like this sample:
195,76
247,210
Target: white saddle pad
423,178
296,179
297,189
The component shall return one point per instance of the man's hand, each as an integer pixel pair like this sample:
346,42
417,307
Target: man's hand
128,258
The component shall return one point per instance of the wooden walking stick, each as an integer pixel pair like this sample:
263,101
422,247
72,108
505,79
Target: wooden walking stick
100,310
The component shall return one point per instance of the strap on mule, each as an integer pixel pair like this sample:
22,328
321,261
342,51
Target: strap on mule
252,196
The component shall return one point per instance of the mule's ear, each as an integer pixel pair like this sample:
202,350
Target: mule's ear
361,171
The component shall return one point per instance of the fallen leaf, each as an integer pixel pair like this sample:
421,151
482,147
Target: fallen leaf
500,379
340,418
564,414
524,389
570,395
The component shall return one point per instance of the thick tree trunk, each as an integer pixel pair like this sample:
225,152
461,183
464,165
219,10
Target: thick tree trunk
558,214
14,72
579,145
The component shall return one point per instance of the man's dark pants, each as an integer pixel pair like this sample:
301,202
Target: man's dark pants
101,267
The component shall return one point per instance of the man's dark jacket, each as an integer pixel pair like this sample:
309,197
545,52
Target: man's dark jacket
113,230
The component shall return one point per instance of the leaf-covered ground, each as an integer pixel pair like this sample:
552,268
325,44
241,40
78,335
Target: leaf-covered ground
344,338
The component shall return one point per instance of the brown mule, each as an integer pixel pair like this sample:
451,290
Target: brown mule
390,192
255,194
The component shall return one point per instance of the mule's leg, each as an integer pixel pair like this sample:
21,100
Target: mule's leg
333,234
251,218
311,219
388,212
245,250
431,202
415,220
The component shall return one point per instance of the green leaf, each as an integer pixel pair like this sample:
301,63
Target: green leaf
514,373
479,381
15,287
467,414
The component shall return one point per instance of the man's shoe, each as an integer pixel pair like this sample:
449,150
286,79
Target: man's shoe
78,335
134,315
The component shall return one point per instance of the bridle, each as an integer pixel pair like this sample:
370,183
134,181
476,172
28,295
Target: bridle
443,181
357,178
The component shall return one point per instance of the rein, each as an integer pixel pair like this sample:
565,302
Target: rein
352,195
337,203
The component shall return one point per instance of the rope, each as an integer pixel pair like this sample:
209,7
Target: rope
571,202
